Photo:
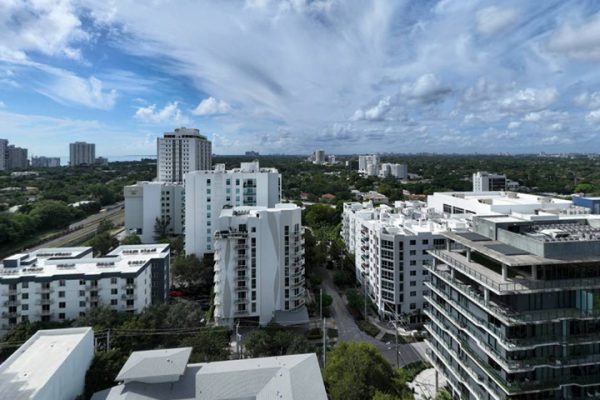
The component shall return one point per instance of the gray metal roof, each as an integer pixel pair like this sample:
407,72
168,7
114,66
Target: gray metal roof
155,366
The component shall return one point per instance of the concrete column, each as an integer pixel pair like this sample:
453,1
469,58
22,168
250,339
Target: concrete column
534,272
486,296
436,381
504,272
452,273
468,255
448,244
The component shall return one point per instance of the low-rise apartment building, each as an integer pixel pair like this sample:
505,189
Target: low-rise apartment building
57,284
259,265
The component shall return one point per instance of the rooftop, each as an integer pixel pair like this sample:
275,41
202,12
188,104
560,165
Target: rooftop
47,262
155,366
507,198
27,370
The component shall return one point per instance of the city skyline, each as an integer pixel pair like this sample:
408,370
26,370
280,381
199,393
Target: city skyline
290,77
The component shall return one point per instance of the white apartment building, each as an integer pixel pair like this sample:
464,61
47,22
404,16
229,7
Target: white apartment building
57,284
3,154
45,162
487,182
398,171
82,153
16,157
390,246
369,165
259,265
207,192
147,201
180,152
493,203
50,365
319,156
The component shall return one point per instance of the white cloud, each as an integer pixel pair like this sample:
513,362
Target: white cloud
47,27
427,89
593,117
170,113
588,100
528,100
211,106
514,125
67,88
578,39
375,113
493,19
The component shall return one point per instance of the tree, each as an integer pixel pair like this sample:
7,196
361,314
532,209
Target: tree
131,239
584,188
103,243
273,341
161,228
103,371
104,226
357,371
210,344
103,194
51,214
177,245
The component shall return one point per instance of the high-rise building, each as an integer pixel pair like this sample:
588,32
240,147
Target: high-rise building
369,165
45,162
59,284
259,265
3,154
514,308
16,157
319,156
180,152
398,171
145,202
208,192
252,153
82,153
390,247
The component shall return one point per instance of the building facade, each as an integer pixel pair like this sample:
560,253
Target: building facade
3,154
16,157
82,153
369,165
208,192
145,202
58,284
486,182
514,308
397,171
319,157
50,365
182,151
45,162
259,265
390,246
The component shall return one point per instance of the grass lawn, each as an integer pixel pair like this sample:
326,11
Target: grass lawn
367,327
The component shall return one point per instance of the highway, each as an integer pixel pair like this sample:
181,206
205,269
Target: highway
85,229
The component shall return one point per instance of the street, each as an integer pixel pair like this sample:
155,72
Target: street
349,331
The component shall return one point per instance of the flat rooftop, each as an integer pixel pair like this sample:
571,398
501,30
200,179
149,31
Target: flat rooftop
28,369
48,262
507,198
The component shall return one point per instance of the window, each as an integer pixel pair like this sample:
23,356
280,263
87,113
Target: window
413,283
61,315
413,273
425,241
114,302
113,291
61,282
82,282
413,253
413,242
62,304
113,281
25,285
413,306
413,294
413,262
25,296
82,293
25,307
61,294
82,304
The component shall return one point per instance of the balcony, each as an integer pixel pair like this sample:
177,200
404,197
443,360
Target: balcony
298,272
44,302
128,297
128,286
240,301
299,295
9,314
12,303
241,312
44,291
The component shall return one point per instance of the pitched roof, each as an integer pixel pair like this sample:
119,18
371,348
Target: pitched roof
155,366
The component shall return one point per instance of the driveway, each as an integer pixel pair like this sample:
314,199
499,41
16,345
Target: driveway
350,332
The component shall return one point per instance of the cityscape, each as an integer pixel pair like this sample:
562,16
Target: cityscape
299,199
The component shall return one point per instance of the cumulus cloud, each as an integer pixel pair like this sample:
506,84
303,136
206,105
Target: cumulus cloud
578,39
170,113
375,113
593,117
528,100
514,124
211,106
426,89
47,27
493,19
588,100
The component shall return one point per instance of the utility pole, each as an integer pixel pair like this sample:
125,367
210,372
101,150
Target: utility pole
365,285
321,304
324,340
238,337
396,332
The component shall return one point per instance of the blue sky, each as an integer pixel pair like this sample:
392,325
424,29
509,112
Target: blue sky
289,76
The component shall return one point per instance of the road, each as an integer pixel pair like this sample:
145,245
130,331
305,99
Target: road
349,331
115,214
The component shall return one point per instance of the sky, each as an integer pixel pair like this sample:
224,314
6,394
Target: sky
291,76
